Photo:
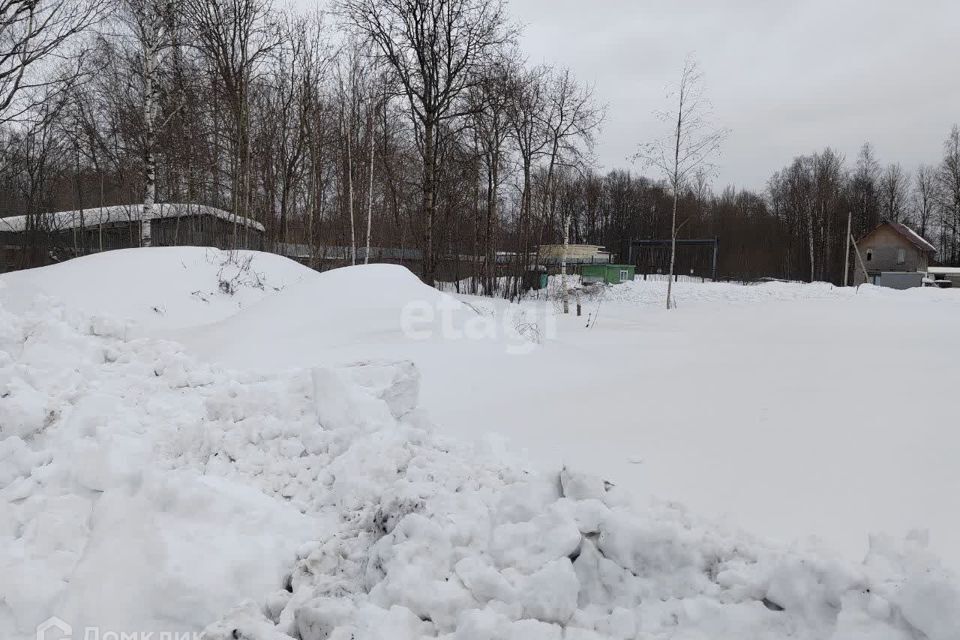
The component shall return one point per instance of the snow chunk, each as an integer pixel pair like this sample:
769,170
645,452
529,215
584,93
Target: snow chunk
342,405
581,486
645,547
931,604
396,383
550,594
484,581
529,545
244,621
521,502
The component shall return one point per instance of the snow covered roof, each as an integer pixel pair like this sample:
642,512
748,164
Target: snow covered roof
944,270
912,236
552,254
571,250
61,220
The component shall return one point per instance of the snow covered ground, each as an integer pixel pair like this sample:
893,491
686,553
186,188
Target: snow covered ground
262,456
796,410
163,288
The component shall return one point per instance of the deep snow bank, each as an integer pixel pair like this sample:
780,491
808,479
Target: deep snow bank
785,396
362,312
331,308
146,492
98,524
159,287
141,490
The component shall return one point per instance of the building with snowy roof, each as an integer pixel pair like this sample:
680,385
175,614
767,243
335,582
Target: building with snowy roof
894,255
944,277
553,254
39,239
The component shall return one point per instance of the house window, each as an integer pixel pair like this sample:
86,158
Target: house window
624,275
901,256
869,255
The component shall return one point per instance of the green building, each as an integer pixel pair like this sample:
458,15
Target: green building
607,273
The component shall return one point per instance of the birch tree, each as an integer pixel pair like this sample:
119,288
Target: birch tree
151,23
690,146
356,95
372,110
346,127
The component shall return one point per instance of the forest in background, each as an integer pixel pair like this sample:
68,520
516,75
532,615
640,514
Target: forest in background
394,123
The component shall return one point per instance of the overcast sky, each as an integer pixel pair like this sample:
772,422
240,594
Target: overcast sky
787,77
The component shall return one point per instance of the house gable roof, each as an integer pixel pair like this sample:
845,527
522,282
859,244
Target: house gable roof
906,233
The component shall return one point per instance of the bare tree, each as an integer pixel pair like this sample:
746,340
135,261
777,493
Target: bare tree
490,100
436,49
284,105
373,107
796,189
894,189
235,36
571,122
314,108
924,196
864,187
35,32
687,149
356,93
40,149
528,101
949,179
825,209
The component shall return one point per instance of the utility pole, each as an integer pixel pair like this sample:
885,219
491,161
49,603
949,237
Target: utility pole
863,267
846,251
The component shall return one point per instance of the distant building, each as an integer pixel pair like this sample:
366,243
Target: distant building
44,238
944,277
552,254
894,255
607,273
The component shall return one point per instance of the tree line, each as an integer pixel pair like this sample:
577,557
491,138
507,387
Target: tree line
409,124
795,229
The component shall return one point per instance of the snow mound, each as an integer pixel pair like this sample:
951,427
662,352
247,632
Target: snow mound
158,287
93,524
319,319
143,491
